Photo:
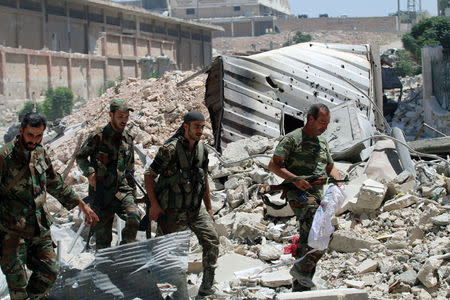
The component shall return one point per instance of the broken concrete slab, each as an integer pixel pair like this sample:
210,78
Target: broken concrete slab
370,197
230,263
355,283
337,294
369,265
276,279
349,241
399,203
426,273
384,163
441,220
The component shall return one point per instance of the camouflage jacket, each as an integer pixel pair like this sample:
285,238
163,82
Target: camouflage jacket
304,156
118,147
23,208
181,182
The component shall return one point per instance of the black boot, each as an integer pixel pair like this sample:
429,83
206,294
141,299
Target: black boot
206,288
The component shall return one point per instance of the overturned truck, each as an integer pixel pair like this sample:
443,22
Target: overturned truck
269,94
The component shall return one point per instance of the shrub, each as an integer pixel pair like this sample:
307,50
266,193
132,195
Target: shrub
428,32
406,66
58,103
298,38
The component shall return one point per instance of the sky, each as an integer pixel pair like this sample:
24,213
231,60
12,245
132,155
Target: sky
356,8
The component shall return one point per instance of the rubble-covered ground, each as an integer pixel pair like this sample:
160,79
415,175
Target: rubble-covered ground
392,237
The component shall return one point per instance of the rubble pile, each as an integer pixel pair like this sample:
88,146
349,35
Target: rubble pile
392,235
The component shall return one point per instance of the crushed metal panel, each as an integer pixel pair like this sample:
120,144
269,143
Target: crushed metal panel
130,271
269,93
347,132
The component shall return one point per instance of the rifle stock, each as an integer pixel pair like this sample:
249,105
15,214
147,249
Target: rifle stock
315,181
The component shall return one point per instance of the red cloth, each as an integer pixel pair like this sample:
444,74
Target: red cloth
292,248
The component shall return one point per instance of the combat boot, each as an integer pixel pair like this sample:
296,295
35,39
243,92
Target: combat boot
206,288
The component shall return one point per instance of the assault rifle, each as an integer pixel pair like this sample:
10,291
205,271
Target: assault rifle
162,219
289,185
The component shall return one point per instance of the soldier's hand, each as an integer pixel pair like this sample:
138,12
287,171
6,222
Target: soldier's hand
90,217
302,184
154,212
93,180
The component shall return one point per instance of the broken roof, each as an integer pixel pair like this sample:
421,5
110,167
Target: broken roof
269,93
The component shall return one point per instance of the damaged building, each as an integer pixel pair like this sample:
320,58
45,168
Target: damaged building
268,94
237,17
83,44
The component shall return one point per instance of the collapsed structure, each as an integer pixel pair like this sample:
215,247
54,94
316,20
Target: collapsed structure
392,237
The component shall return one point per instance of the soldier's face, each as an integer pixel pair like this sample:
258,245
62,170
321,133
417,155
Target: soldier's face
193,131
30,137
320,124
119,120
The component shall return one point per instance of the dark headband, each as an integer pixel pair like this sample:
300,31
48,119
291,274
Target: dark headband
193,115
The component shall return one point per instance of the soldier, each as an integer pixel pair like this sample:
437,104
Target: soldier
107,160
303,152
26,174
182,165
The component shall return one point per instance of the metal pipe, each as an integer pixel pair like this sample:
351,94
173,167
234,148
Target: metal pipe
403,152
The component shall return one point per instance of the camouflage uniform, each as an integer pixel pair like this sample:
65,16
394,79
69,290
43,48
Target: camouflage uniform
305,156
118,194
25,220
180,196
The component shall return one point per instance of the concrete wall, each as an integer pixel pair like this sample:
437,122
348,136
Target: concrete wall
112,39
436,89
373,24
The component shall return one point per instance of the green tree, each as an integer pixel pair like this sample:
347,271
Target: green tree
407,66
428,32
442,5
299,37
58,103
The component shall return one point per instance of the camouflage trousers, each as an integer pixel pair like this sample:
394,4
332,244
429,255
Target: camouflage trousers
38,255
201,223
128,211
304,270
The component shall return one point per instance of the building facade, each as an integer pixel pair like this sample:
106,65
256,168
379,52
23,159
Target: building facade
83,43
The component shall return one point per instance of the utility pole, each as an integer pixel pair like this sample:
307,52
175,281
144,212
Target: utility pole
398,16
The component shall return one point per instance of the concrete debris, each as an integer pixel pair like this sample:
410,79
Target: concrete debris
370,197
386,232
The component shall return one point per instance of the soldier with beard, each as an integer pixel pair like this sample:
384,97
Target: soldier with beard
181,167
107,160
26,175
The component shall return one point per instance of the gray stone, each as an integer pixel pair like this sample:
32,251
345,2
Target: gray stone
276,279
441,220
230,263
426,273
355,284
399,203
402,177
367,266
349,241
269,252
259,175
370,197
409,277
335,294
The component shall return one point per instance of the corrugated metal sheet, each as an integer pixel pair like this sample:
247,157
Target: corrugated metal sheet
130,271
269,93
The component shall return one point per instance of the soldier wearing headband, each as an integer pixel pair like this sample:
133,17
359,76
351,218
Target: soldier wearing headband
181,166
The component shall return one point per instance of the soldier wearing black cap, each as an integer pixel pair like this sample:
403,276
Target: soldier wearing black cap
181,166
107,160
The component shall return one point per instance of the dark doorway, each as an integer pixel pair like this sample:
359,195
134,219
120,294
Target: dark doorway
291,123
